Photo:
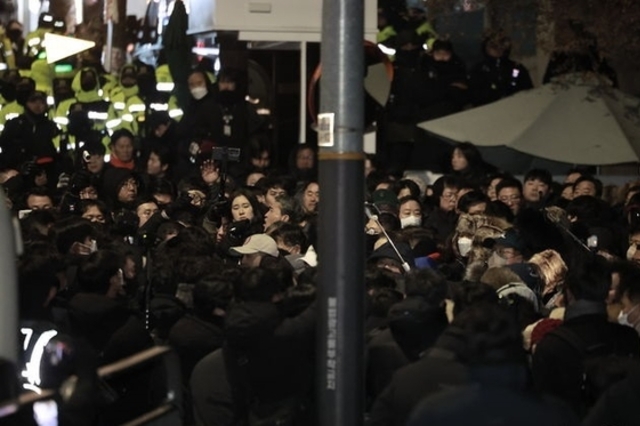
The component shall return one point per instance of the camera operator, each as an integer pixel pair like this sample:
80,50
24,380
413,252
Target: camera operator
219,113
247,218
29,138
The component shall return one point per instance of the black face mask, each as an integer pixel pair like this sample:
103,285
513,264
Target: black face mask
22,94
88,81
146,84
14,35
228,97
407,58
443,66
38,117
370,241
8,91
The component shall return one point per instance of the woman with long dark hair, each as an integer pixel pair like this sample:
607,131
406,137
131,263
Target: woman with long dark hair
467,163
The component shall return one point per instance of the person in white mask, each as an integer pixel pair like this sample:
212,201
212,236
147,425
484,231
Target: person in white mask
410,213
197,122
630,313
198,85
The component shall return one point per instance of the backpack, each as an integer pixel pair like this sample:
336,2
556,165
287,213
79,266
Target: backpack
603,365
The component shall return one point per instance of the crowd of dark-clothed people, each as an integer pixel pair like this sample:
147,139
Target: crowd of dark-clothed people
519,291
490,300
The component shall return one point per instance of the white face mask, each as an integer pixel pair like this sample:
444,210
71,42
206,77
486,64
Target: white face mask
496,261
410,221
199,92
464,246
623,318
370,231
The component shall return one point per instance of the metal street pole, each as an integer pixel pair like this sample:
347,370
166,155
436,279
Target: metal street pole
9,311
341,217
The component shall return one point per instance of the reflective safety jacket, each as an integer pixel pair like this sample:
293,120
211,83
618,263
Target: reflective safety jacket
10,111
99,111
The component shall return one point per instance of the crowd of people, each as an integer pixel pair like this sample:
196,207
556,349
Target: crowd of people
489,299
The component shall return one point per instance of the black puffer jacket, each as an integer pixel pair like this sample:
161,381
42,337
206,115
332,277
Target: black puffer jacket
108,326
269,358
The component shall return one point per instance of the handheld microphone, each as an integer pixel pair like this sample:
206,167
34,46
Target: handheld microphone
374,217
553,216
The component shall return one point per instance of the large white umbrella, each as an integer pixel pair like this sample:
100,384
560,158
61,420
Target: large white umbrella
573,120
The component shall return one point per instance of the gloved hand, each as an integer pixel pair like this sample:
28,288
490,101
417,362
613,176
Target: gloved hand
63,181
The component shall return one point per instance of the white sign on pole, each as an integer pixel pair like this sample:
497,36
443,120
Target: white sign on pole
59,47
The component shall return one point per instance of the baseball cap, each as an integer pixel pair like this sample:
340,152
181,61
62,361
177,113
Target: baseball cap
511,239
37,95
258,243
385,198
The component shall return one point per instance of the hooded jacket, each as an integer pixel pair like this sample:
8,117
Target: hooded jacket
112,182
26,138
269,358
438,369
496,78
108,326
127,101
89,99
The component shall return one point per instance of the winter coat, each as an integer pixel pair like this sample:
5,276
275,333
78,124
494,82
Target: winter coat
194,338
384,358
269,358
211,393
26,138
497,397
437,369
618,405
557,365
442,223
108,326
493,79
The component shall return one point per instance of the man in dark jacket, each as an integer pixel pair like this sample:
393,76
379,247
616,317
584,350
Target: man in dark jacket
557,362
29,137
446,80
269,356
99,315
497,76
491,358
410,384
198,334
218,114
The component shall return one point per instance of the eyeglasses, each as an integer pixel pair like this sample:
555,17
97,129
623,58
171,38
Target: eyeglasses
512,199
449,195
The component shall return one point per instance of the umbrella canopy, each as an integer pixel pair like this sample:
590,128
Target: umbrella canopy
573,120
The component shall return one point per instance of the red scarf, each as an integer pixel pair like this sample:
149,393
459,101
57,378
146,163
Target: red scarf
115,162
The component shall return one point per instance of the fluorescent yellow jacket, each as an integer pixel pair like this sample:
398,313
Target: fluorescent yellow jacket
10,111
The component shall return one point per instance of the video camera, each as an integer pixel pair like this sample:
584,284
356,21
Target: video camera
225,154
